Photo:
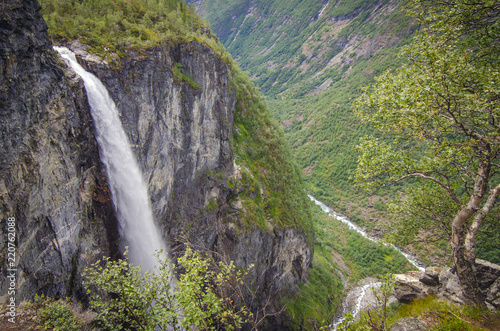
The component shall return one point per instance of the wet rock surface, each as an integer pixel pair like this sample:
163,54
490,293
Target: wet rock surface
51,178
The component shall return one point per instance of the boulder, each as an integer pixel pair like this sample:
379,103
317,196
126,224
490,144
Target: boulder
431,276
450,286
446,284
487,273
409,287
493,294
408,324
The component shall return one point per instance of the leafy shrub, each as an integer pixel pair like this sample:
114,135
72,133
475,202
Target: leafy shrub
180,76
205,296
56,315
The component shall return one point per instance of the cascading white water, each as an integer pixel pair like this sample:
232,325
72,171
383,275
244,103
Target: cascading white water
356,228
323,9
358,294
128,189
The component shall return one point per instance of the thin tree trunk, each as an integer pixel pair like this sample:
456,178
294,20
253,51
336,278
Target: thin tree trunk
465,267
462,241
470,239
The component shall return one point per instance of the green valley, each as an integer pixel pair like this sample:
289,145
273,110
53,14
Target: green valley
311,59
283,148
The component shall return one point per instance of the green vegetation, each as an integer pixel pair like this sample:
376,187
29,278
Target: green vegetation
273,192
272,185
180,76
287,49
55,314
323,132
367,258
311,68
339,253
441,113
117,25
207,295
282,33
439,315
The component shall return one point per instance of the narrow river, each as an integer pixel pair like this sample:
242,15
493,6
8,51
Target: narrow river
413,260
362,296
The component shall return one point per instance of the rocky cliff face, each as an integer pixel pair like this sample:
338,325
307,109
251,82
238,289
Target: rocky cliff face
177,108
51,179
181,130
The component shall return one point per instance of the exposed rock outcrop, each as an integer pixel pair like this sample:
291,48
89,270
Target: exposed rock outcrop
408,287
445,283
177,108
51,179
408,324
182,133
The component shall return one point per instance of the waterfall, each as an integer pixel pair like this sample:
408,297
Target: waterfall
323,9
128,188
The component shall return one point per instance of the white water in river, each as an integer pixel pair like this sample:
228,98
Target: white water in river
358,298
128,188
356,228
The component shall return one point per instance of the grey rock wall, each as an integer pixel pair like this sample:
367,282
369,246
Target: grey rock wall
51,179
182,137
53,183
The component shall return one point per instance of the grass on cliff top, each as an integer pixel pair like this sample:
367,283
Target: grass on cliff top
119,25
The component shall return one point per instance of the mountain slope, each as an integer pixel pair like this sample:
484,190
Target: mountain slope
311,59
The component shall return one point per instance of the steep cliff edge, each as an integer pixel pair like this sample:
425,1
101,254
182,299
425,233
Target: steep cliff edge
182,133
51,179
217,172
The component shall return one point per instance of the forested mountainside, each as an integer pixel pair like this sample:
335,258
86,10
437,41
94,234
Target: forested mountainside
218,171
311,59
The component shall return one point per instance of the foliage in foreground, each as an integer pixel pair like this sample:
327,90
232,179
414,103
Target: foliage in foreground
61,315
440,116
56,315
205,297
439,315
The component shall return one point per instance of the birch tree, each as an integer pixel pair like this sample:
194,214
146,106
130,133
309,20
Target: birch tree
439,119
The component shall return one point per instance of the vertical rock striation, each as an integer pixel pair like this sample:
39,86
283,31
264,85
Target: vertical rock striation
177,107
182,132
51,179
